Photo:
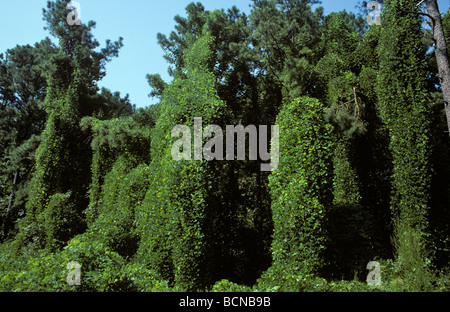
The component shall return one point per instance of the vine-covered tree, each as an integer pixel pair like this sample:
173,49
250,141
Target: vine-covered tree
403,107
60,179
22,120
142,199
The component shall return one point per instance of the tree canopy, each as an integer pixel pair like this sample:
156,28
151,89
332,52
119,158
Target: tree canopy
363,172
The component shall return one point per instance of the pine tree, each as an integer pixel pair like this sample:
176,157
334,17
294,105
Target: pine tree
285,34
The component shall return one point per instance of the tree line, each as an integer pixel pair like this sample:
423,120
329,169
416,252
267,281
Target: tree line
364,155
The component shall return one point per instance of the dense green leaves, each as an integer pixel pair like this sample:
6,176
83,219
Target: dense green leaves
401,89
363,169
179,208
402,103
300,199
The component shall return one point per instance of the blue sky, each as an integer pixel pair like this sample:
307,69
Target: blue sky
137,21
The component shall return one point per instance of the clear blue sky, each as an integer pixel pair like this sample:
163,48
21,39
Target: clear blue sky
137,21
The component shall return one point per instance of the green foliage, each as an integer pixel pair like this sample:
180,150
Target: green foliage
101,268
275,281
57,164
123,191
61,157
349,224
61,209
356,222
227,286
286,34
363,156
78,46
157,84
413,260
401,91
106,105
177,209
22,90
300,188
43,272
145,280
402,94
112,139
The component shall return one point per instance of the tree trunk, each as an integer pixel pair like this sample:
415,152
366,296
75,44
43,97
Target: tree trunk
11,201
440,48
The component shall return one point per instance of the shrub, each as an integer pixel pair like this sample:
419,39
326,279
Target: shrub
282,279
101,268
124,189
145,280
413,260
61,222
227,286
